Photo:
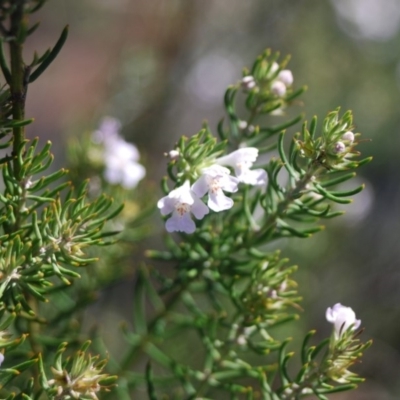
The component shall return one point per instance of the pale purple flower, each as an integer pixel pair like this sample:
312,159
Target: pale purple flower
241,161
108,130
120,157
214,180
182,202
343,318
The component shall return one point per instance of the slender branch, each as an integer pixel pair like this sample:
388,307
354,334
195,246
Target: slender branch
135,351
18,89
291,195
18,85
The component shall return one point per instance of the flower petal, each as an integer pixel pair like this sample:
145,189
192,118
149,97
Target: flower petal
256,177
229,183
182,194
200,187
219,202
166,205
199,209
239,156
180,223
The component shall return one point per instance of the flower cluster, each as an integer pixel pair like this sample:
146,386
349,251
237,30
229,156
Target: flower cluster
80,377
344,143
214,180
279,80
282,81
120,157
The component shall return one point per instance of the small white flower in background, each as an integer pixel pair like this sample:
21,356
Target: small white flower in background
1,358
241,161
108,130
182,202
343,318
248,82
215,180
348,136
120,157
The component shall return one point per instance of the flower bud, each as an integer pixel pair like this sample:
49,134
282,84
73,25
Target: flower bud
348,136
286,77
173,154
278,88
248,82
339,147
273,69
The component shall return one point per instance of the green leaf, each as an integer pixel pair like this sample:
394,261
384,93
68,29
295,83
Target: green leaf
283,359
8,374
51,56
150,384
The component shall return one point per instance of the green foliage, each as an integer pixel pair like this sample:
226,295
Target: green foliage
230,292
47,231
79,377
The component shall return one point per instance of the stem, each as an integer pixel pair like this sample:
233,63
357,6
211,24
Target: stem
135,351
283,205
18,89
18,86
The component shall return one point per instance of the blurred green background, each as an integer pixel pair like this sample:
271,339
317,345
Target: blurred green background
162,68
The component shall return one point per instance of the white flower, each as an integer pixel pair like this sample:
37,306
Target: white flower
108,130
285,76
241,161
343,318
278,88
1,358
348,136
214,180
181,202
120,157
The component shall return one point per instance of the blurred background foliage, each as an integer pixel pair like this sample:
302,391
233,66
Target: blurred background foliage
161,67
